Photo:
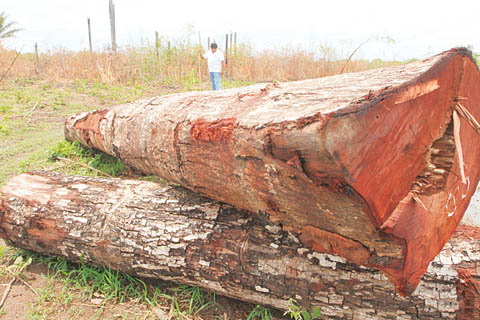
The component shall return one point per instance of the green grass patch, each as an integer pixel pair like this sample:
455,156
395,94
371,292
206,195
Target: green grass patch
80,154
109,93
260,313
83,282
32,115
189,301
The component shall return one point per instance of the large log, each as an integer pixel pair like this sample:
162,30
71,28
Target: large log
156,231
364,165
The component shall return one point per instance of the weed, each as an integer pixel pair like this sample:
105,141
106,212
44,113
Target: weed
19,265
260,312
102,282
95,159
68,149
298,314
192,300
175,62
15,262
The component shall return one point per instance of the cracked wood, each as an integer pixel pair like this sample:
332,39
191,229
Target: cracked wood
345,160
166,232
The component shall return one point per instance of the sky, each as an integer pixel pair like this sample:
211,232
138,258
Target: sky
418,28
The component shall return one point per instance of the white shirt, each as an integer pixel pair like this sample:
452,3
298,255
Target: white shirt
214,60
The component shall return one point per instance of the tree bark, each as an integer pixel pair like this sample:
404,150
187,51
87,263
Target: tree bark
166,232
364,165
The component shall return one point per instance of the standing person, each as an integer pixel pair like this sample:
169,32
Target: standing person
216,64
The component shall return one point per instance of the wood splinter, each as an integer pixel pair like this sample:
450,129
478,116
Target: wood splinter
458,145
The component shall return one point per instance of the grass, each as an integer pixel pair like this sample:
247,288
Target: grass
260,313
79,154
32,114
35,100
31,138
175,64
72,286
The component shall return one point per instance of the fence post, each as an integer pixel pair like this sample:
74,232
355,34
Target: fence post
226,54
235,43
37,60
157,44
226,48
112,26
89,36
168,52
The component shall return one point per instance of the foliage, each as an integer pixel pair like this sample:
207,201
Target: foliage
6,28
189,301
17,264
92,158
174,63
260,313
104,284
298,314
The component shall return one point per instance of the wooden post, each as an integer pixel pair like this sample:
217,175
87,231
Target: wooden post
226,48
157,45
156,55
89,36
198,58
168,52
226,53
235,43
231,55
208,48
37,60
112,26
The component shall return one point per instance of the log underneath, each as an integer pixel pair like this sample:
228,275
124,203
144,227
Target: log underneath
361,165
166,232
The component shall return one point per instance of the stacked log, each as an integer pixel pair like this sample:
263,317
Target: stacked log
157,231
359,165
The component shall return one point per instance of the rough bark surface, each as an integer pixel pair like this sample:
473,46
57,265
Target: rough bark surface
170,233
361,165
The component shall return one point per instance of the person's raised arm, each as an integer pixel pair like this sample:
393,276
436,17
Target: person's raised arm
200,52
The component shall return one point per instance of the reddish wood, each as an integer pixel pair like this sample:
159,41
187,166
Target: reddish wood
362,164
166,232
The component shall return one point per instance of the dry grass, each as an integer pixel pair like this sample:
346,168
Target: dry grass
177,65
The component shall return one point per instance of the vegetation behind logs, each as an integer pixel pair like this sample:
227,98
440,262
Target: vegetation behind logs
175,63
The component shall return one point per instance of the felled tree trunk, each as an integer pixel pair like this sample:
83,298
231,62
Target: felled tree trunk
364,165
165,232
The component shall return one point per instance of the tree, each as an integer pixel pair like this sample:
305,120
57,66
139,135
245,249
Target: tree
6,28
